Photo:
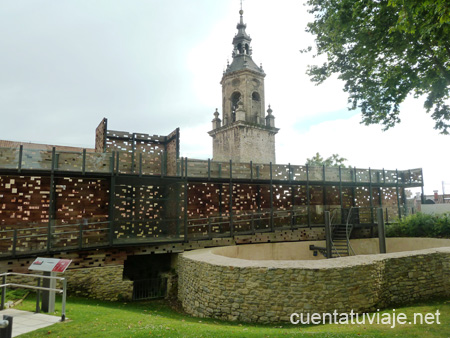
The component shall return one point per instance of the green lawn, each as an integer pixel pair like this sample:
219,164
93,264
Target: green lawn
89,318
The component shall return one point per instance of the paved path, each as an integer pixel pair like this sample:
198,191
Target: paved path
24,321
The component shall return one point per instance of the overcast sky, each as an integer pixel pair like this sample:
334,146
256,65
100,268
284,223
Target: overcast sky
152,66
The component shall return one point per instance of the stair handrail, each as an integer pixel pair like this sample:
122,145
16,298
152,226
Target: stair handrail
333,226
332,214
347,233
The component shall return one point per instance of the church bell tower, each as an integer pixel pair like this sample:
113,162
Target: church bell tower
245,133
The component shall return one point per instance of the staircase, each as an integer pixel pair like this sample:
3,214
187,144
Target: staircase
340,233
340,237
340,245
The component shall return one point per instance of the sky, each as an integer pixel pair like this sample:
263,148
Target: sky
151,66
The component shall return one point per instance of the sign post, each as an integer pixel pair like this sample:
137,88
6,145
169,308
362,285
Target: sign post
49,267
48,297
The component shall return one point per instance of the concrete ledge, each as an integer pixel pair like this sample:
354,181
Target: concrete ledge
213,285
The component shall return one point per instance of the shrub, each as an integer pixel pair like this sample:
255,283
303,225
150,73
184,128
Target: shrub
420,225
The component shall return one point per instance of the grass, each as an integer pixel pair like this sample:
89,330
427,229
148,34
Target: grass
89,318
16,294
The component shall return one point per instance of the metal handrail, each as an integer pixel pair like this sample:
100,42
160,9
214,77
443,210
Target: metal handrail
4,285
34,228
54,226
241,215
237,216
349,246
141,220
30,275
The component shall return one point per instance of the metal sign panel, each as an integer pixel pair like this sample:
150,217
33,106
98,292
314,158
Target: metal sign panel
50,264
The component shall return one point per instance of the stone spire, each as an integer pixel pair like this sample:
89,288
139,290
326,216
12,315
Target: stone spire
270,119
241,40
216,122
242,51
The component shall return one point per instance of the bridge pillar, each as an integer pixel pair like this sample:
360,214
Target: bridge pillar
381,233
328,233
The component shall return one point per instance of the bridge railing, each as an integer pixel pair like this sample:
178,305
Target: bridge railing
121,162
40,238
21,158
248,223
193,168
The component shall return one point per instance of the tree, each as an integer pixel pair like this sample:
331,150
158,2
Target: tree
333,161
384,50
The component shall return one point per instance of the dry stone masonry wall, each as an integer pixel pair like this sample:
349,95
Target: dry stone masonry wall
215,286
105,283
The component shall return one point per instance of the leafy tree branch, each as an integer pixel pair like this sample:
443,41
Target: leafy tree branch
385,50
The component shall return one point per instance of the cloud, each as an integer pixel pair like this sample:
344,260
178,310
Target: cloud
71,64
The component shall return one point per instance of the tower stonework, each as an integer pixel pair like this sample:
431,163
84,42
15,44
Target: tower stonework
245,133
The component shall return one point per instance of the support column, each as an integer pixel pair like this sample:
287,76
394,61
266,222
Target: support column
398,196
133,150
381,232
328,235
371,196
353,188
308,200
19,165
112,193
52,203
293,188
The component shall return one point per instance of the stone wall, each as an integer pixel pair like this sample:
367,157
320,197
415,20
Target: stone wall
105,283
227,288
242,142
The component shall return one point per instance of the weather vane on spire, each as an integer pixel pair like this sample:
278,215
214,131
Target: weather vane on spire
241,11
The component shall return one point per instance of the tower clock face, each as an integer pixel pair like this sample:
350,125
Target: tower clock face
236,82
255,83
